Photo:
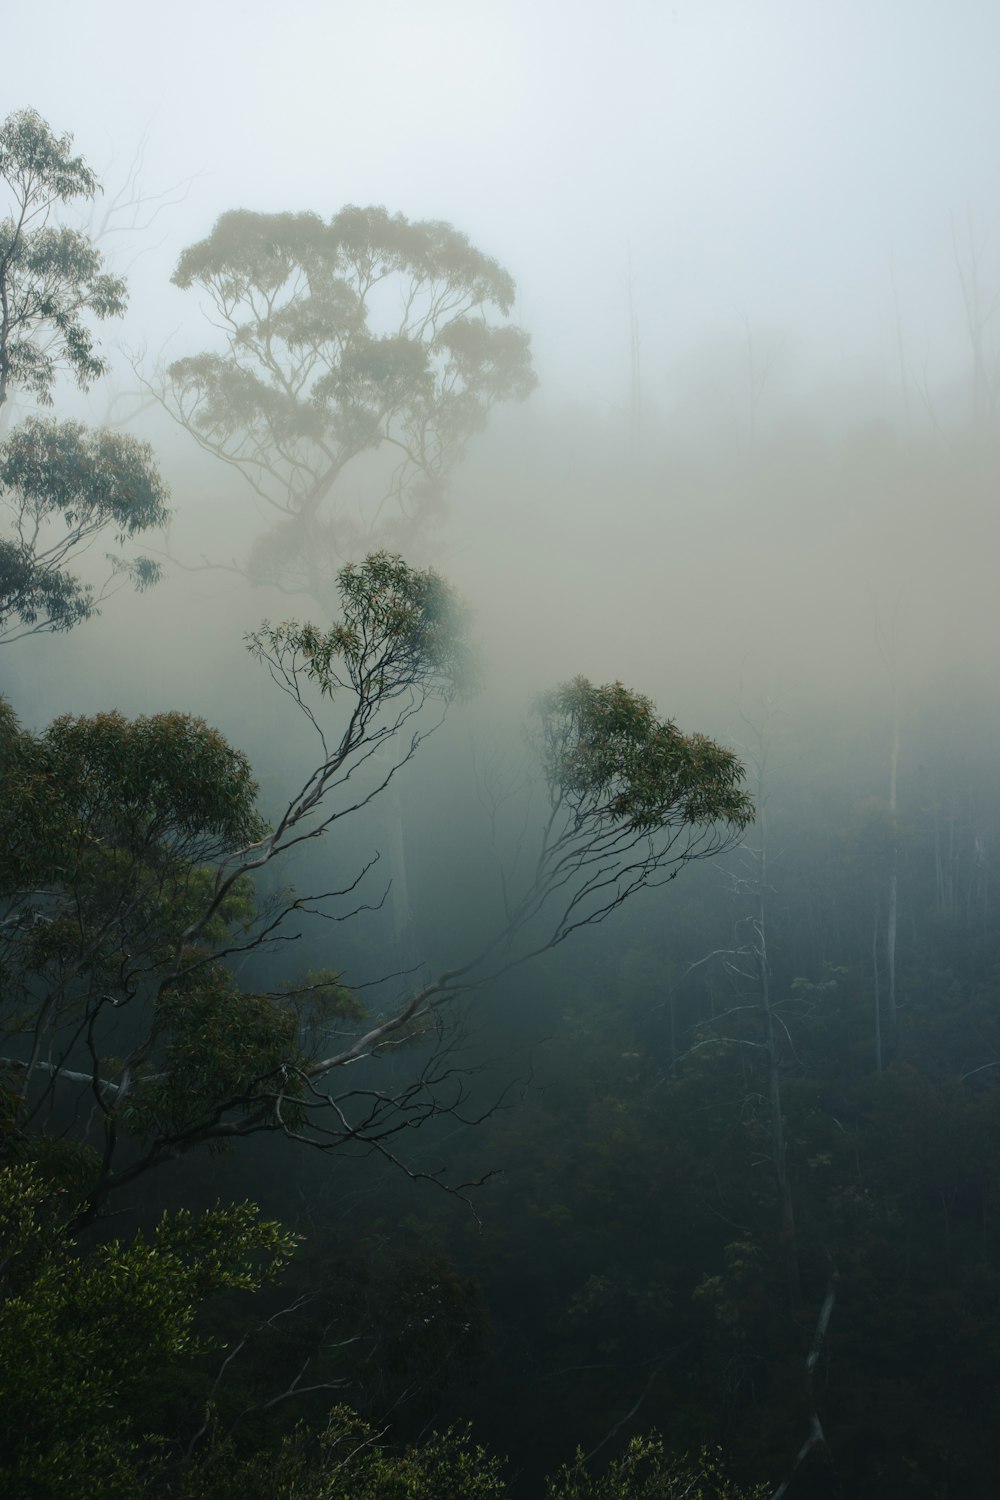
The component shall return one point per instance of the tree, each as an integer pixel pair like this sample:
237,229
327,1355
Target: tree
365,335
632,800
60,485
349,1462
50,275
130,847
359,356
979,308
648,1471
84,1337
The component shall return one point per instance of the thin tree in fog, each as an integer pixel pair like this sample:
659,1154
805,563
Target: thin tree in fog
635,367
754,885
51,276
892,896
749,966
61,486
979,307
367,337
368,342
126,888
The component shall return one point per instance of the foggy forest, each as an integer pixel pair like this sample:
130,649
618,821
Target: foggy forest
499,797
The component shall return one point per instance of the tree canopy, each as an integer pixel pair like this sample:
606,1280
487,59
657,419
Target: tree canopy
84,1339
368,333
127,852
61,486
134,1031
631,801
51,276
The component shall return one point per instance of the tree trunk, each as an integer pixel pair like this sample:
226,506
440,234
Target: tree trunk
778,1144
891,917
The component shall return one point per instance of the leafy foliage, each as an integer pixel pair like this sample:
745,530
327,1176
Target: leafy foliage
83,1336
403,631
648,1472
61,487
347,1461
219,1047
107,826
607,756
91,801
631,801
368,332
50,276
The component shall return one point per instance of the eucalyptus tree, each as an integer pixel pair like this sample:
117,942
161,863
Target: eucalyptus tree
85,1338
358,357
51,276
61,486
126,882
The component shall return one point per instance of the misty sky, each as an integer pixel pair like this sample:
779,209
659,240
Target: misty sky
791,170
766,160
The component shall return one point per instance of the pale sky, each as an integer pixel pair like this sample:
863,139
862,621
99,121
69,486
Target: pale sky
765,160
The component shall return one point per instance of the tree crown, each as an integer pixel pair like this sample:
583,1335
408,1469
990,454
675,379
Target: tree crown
366,332
605,752
403,629
50,276
61,486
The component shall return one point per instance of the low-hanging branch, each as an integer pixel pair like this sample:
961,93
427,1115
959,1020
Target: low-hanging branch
128,878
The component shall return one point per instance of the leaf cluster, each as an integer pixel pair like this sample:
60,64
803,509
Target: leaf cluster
403,629
348,1461
108,828
89,792
343,336
221,1049
648,1471
82,1336
606,753
50,276
61,486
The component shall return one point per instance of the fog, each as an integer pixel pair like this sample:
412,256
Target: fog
786,188
770,162
752,483
754,244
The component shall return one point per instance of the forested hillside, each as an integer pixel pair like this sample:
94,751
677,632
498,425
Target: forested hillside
499,945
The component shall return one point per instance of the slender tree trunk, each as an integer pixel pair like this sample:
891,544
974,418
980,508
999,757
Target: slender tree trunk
778,1144
892,914
635,386
904,383
815,1436
979,310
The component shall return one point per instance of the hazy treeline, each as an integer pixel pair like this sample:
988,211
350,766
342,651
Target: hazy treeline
630,1257
725,1162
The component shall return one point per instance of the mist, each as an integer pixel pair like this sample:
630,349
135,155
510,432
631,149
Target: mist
756,248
